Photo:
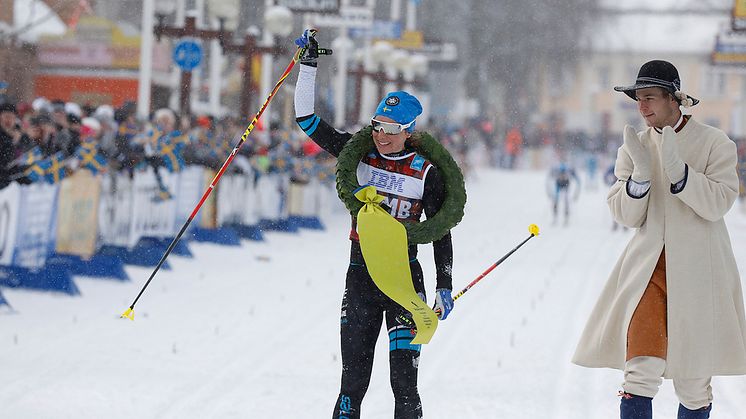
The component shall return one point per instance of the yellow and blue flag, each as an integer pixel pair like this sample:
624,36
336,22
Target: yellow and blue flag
31,156
89,158
128,132
51,170
171,150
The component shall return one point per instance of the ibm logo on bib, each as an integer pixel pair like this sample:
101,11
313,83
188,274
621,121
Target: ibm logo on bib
386,181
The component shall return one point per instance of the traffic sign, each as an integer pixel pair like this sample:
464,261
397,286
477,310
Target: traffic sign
380,29
319,6
187,54
348,17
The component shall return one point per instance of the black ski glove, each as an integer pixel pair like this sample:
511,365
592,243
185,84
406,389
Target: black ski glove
311,51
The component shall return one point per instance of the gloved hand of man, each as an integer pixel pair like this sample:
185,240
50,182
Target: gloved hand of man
443,303
310,53
641,172
670,160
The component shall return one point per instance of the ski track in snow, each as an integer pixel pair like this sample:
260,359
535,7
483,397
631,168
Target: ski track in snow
252,331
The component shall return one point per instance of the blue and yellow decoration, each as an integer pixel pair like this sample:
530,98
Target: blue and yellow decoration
51,170
89,158
31,156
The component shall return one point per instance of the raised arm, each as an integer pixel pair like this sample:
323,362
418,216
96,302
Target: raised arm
316,128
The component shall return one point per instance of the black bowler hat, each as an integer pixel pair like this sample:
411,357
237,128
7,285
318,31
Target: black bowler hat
659,73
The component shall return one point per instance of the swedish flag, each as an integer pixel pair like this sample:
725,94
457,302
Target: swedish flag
89,157
56,171
172,154
154,135
128,131
36,171
178,137
52,169
31,156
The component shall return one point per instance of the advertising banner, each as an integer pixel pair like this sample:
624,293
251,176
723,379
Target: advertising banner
208,218
321,6
115,210
10,196
730,49
36,225
739,15
234,191
189,189
311,199
272,191
77,214
296,197
152,215
250,209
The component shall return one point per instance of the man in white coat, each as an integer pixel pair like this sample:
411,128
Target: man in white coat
673,305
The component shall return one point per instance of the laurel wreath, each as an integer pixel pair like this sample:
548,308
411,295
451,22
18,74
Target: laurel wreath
451,211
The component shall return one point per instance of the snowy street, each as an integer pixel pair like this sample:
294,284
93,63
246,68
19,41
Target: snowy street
253,331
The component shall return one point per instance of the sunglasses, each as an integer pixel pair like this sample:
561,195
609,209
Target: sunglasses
389,127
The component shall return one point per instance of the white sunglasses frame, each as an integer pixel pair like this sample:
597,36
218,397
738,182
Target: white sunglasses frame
387,125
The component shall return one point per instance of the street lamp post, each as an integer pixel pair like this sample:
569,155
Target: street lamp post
248,49
360,72
375,59
395,65
342,46
419,64
146,59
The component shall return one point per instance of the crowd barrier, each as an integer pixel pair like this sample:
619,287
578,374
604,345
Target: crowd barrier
93,225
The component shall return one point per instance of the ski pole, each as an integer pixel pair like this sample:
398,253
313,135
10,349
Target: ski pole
533,229
130,313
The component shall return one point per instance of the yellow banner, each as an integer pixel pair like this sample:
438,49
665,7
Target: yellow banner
739,10
209,210
77,214
724,58
383,241
408,40
295,198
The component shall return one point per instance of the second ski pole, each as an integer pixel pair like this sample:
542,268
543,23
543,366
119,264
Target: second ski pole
533,229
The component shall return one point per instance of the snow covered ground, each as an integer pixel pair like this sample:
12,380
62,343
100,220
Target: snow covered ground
252,331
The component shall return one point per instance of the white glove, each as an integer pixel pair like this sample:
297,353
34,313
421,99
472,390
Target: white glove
670,160
641,171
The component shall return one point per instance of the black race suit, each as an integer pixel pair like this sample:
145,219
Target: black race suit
364,306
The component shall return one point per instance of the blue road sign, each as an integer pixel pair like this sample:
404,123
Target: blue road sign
187,54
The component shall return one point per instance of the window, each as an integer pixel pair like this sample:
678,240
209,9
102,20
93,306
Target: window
714,82
604,79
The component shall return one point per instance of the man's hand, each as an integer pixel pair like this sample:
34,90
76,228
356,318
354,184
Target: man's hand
641,172
670,160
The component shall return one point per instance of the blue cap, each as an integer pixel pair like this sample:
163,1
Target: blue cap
401,107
